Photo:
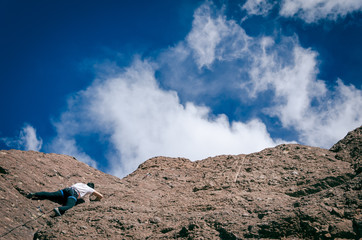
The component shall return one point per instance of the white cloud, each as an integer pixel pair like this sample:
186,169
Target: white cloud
186,67
143,121
210,33
338,114
67,145
72,123
258,7
310,11
27,140
314,10
294,84
301,101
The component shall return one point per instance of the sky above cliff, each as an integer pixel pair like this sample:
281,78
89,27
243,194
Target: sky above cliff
114,83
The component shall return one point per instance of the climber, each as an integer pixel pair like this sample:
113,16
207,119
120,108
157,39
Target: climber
68,196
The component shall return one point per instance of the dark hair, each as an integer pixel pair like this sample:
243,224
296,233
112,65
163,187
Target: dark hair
90,184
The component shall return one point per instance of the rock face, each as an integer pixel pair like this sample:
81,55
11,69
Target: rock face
290,191
350,149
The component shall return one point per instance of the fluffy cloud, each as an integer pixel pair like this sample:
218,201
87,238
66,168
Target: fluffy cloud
142,121
73,123
27,140
340,112
312,11
258,7
301,101
309,11
65,143
213,37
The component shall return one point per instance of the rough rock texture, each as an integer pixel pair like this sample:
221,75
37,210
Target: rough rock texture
350,149
290,192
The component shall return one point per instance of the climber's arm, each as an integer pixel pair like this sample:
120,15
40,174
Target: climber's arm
97,195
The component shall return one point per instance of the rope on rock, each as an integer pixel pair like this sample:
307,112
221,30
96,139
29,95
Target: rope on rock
21,225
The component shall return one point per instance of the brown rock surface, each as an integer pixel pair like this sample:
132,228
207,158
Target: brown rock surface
290,191
350,149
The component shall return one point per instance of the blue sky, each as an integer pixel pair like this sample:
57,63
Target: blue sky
114,83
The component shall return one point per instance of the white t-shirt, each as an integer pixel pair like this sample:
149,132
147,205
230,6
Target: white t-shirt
83,189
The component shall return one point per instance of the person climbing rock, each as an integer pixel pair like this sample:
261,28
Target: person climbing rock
68,196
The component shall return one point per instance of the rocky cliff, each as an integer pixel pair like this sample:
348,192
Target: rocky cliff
290,192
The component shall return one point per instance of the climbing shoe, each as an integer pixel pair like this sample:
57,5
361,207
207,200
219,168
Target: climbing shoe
56,212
